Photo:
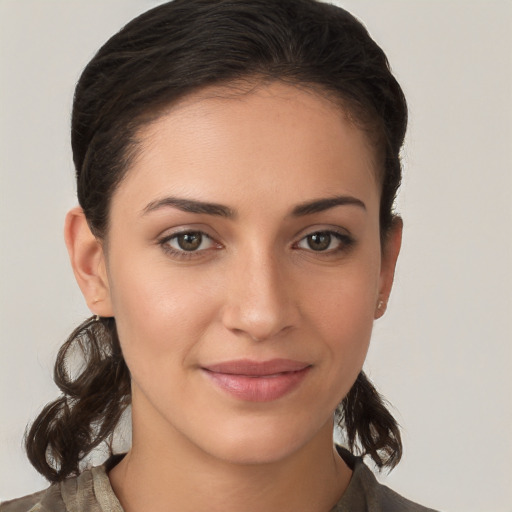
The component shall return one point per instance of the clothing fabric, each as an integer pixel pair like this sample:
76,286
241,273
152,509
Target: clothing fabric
91,492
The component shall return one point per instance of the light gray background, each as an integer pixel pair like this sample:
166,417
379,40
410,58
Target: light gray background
443,353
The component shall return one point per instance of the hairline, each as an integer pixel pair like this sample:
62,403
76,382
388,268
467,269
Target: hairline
232,89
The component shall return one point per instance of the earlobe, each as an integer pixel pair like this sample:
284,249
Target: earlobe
390,252
88,261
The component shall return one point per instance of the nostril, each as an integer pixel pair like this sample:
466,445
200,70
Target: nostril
260,333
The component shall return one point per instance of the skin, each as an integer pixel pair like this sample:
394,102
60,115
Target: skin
255,289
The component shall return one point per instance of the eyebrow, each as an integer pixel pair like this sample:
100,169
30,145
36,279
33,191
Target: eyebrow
200,207
190,206
320,205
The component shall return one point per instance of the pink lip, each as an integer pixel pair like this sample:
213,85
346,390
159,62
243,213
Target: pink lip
257,381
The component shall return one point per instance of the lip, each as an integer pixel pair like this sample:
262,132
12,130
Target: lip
257,381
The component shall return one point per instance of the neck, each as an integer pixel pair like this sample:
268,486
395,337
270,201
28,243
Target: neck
164,471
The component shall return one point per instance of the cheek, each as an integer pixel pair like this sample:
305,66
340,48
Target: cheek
343,318
346,321
344,300
160,315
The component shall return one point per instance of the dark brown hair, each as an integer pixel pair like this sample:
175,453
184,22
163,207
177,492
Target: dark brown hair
157,59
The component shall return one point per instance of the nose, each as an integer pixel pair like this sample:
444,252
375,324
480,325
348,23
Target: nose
260,299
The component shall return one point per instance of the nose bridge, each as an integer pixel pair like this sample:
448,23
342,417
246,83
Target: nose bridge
259,295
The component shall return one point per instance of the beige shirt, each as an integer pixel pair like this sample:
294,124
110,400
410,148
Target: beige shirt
92,492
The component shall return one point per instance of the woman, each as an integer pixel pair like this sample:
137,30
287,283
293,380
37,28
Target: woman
237,163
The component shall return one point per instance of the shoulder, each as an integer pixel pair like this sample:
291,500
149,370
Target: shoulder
88,492
366,494
34,502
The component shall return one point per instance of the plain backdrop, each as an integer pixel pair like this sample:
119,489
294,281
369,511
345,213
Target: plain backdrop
442,354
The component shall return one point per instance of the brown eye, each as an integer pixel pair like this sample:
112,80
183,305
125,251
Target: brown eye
319,241
326,241
189,241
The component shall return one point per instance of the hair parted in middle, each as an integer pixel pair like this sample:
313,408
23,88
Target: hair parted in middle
156,60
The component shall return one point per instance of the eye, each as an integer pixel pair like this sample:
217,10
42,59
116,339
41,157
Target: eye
325,241
187,242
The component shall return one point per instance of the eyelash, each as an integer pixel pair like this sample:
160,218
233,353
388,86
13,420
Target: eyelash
345,243
182,253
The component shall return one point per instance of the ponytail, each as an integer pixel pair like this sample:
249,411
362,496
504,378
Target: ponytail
91,403
369,427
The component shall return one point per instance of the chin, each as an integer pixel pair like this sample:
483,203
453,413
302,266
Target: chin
262,442
252,453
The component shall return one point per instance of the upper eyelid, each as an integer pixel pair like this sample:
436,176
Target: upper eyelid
184,232
172,236
326,228
337,234
168,233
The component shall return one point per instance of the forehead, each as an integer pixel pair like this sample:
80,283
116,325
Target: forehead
274,142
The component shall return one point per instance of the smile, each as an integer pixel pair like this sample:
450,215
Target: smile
257,381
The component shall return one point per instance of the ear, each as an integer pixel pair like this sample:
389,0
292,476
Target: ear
88,261
389,255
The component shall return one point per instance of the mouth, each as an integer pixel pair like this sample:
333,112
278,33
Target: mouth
257,381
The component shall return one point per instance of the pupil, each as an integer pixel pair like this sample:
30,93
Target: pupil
319,241
189,241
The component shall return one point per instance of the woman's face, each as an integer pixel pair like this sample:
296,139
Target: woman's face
244,269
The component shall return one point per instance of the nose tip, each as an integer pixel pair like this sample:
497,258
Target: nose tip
249,322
